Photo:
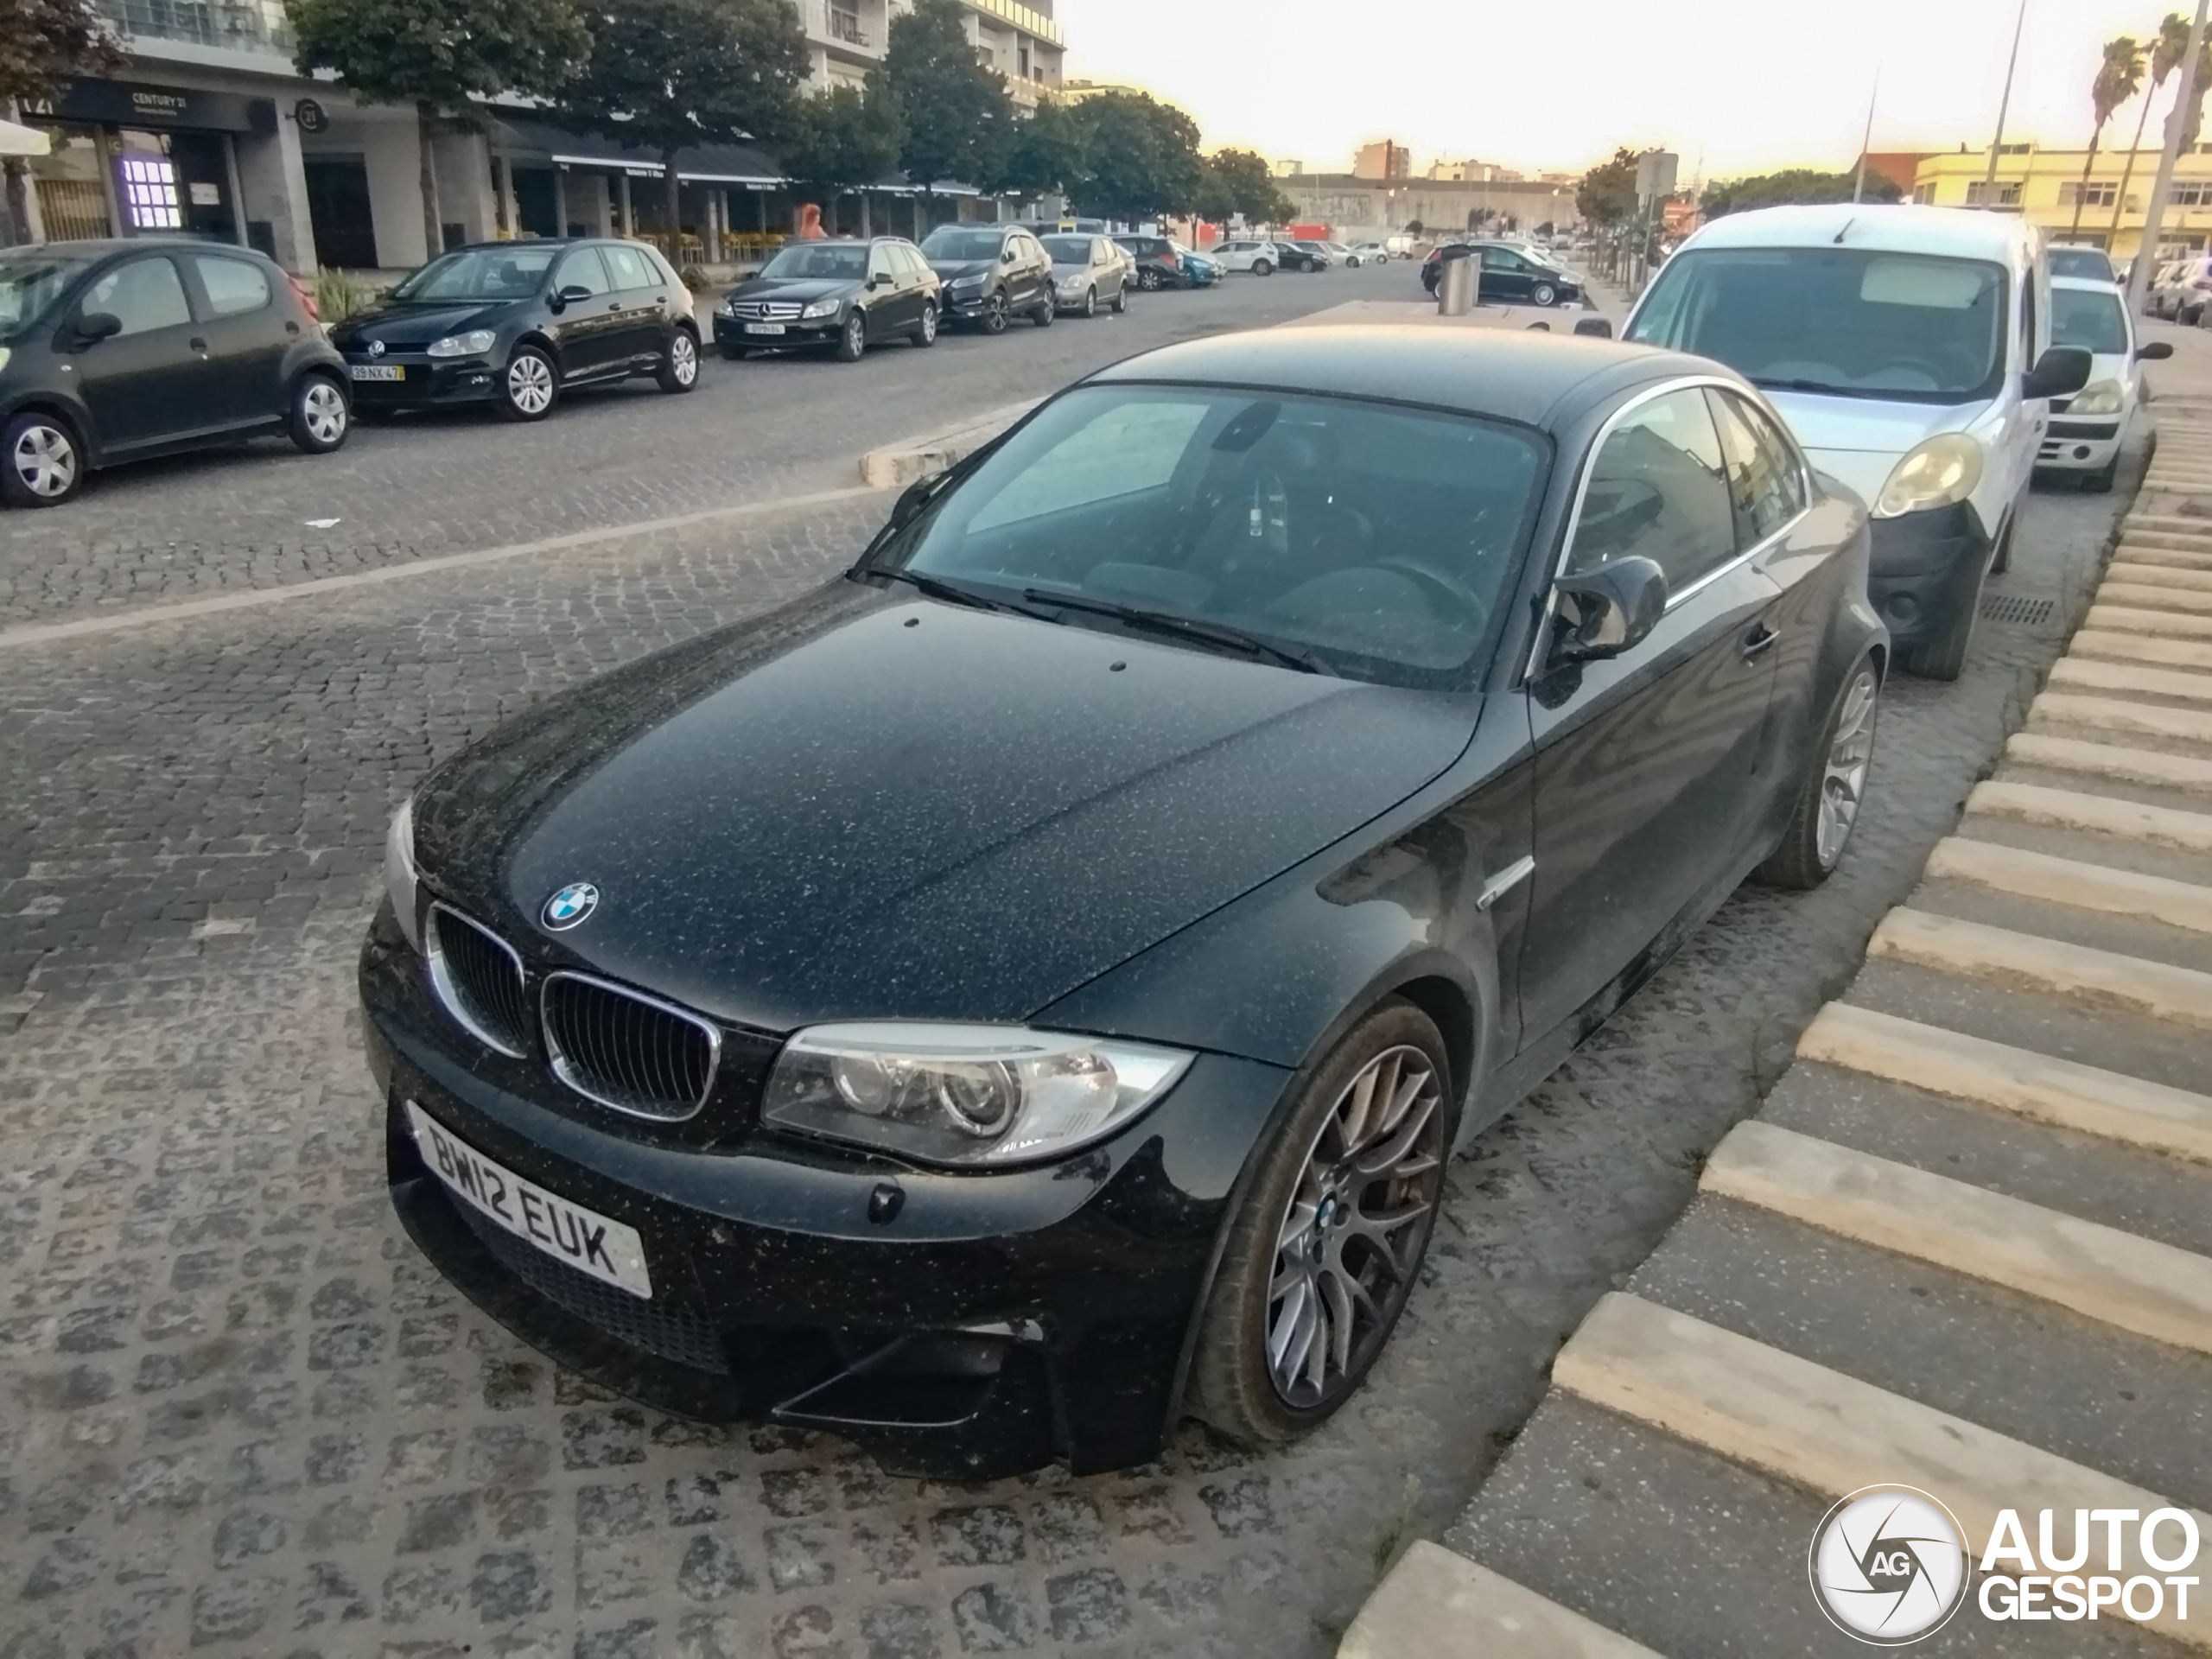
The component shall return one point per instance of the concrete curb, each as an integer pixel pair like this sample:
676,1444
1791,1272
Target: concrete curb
903,463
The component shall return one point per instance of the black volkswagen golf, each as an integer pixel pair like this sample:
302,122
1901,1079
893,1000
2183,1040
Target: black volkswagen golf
517,324
1028,988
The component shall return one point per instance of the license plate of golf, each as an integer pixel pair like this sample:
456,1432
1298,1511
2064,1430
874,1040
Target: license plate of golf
764,328
583,1239
376,371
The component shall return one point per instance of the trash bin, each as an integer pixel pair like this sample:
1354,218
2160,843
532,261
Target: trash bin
1455,287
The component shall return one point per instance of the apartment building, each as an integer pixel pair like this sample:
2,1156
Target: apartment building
1384,160
847,38
1470,172
2047,185
1356,208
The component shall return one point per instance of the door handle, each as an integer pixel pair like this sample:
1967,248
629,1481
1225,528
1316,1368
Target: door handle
197,345
615,306
1757,642
291,327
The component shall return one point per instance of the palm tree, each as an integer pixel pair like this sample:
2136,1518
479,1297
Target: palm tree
2165,57
2119,75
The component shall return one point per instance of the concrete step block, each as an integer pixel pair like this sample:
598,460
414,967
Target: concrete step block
2102,814
2072,881
2096,979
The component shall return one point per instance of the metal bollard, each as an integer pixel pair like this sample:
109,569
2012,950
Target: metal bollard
1455,287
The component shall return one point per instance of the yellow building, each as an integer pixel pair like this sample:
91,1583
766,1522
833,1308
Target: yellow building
2044,184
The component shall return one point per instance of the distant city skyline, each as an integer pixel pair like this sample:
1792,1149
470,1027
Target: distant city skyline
1735,88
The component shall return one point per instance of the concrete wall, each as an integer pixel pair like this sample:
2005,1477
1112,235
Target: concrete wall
585,201
465,195
275,186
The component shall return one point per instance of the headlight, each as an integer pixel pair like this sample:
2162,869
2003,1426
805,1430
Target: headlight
970,283
1069,284
964,1095
1943,469
822,309
468,344
399,876
2099,397
729,307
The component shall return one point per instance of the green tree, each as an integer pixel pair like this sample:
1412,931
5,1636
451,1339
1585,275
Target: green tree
1607,194
44,44
1047,156
1239,181
960,123
2166,54
1141,157
2120,72
668,74
440,55
1791,187
845,138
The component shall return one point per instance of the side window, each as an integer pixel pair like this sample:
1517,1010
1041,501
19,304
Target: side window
146,294
1657,491
1101,252
628,268
582,268
879,262
233,286
1762,478
2028,298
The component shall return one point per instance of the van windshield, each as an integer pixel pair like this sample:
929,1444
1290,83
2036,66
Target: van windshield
1847,321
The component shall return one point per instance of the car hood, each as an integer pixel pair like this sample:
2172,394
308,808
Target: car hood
416,325
1860,440
866,804
795,288
953,270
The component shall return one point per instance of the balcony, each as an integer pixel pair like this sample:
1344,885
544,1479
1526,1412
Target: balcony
846,26
842,27
233,25
1034,23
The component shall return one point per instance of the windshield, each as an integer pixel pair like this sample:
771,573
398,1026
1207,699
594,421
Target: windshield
845,260
1377,541
2091,262
1906,327
480,274
1068,250
947,245
2090,320
31,281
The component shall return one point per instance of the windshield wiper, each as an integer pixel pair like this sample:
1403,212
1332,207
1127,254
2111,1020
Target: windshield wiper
952,592
1218,634
1822,388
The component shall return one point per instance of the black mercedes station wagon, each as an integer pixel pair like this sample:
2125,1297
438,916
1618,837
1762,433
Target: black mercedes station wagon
1027,990
517,324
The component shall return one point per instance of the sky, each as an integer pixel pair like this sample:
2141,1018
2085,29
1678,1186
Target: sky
1749,86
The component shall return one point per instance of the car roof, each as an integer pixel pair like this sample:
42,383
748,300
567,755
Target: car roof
1537,379
101,247
2087,284
1959,232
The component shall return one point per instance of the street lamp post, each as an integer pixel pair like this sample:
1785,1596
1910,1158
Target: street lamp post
2146,249
2004,104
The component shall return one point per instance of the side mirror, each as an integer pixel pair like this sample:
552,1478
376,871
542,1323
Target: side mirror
2059,373
1605,612
569,294
1595,327
97,325
1009,257
2157,352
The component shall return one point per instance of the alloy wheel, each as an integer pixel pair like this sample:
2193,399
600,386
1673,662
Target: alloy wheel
530,382
683,359
929,324
46,459
995,314
323,408
1851,755
1090,302
1348,1247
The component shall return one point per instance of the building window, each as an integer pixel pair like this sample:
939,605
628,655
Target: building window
1979,193
2097,192
2191,195
1924,194
148,184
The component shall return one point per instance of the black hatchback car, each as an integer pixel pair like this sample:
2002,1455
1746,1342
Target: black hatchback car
1507,274
518,324
992,274
1157,264
1029,988
116,351
846,296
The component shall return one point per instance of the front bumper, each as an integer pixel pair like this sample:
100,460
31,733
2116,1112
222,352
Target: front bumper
2083,445
989,1323
1925,568
428,382
967,308
817,331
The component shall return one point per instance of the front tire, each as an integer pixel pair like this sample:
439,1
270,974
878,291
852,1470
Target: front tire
1090,302
320,415
679,369
2100,481
529,388
1544,295
852,338
42,463
1835,790
924,332
1261,268
994,312
1121,300
1324,1249
1944,657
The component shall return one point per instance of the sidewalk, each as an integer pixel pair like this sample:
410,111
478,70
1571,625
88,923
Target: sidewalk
1966,1244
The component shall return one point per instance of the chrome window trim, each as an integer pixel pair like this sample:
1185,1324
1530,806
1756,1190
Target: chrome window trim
442,982
566,1073
1534,666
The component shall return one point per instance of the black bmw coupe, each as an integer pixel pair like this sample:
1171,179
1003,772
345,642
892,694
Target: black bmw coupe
1029,988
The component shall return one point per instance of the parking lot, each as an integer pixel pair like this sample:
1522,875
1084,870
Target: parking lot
246,1417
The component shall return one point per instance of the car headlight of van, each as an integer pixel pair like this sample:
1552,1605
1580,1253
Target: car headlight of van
2098,397
822,309
472,343
972,1096
401,880
1934,473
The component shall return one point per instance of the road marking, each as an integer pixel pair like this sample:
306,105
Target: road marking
2064,1093
2158,575
2111,760
2071,881
1816,1428
2140,1284
2135,648
2101,978
2116,677
1437,1604
2111,715
2066,809
2125,620
2118,591
43,632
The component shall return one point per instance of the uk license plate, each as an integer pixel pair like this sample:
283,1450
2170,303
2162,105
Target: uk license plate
376,371
764,328
584,1239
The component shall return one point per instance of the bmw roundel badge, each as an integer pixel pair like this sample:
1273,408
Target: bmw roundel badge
566,908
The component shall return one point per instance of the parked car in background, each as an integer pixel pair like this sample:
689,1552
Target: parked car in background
517,325
115,351
1241,253
844,296
2181,290
2079,259
1910,348
1157,264
1302,256
1089,271
2086,429
858,1017
1199,270
1370,253
1508,274
990,274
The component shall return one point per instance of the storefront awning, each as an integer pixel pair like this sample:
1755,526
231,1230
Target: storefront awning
729,164
17,140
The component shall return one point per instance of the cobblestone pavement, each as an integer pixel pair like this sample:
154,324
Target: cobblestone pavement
242,1417
438,483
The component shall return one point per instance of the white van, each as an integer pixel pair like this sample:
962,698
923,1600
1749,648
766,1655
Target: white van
1910,350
